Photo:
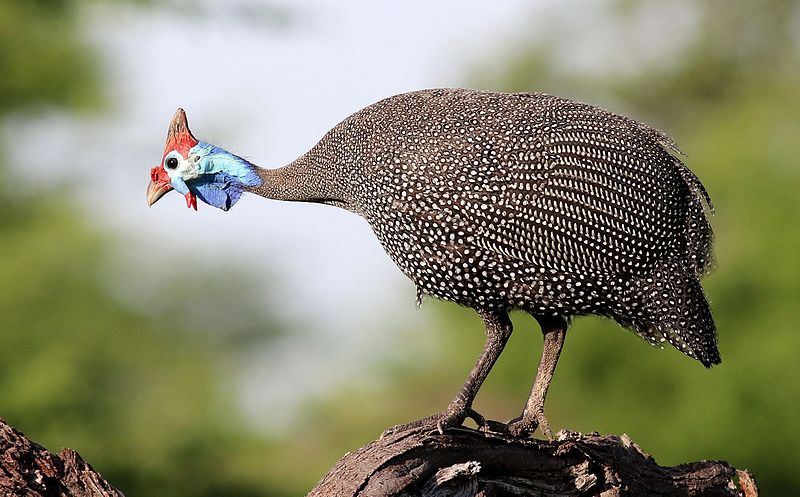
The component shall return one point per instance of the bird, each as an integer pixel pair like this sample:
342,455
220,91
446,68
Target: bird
500,202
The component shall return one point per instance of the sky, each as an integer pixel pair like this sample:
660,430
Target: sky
267,90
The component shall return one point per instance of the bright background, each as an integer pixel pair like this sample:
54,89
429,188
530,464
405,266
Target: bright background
243,353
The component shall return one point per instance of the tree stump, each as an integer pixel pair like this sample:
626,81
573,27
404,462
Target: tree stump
421,463
470,463
28,469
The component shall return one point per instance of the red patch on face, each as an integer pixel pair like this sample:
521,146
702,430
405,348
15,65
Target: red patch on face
159,176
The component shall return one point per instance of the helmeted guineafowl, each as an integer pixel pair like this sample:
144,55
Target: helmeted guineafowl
499,202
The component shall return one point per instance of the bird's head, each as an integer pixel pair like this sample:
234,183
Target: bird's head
199,170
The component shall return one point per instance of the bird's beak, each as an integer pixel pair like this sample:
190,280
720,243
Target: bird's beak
158,186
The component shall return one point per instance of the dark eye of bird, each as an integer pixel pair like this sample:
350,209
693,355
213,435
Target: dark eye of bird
172,163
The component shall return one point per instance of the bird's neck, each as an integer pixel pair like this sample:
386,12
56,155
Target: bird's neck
304,180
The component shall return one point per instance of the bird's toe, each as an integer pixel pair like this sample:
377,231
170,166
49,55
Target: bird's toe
526,425
452,417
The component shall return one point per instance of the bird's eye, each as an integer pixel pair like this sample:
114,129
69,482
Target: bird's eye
171,163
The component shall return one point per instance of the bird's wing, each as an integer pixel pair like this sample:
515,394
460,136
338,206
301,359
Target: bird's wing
547,181
595,197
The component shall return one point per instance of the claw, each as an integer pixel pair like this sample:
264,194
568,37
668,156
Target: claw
526,425
453,417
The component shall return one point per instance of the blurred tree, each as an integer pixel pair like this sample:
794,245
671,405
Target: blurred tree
728,95
139,395
42,59
726,90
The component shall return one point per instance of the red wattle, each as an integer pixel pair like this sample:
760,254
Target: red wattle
191,201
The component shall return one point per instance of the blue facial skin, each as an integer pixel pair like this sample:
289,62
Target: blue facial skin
223,176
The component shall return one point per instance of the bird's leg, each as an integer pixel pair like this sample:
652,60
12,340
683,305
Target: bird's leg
498,330
554,330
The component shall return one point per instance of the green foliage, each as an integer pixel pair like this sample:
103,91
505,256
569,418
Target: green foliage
42,59
140,395
730,101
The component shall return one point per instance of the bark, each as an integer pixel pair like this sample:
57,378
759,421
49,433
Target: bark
421,463
29,470
467,463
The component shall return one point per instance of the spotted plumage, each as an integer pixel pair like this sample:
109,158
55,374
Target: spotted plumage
522,201
529,201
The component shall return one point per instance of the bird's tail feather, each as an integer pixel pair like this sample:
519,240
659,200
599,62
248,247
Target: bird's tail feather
668,305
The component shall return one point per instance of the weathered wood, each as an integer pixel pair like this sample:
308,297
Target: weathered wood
467,463
28,469
422,463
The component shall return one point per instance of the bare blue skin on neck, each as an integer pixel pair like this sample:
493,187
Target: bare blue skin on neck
222,176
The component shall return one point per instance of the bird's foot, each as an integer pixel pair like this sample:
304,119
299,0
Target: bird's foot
525,425
452,417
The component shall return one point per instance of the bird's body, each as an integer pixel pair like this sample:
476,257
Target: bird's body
522,201
525,201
